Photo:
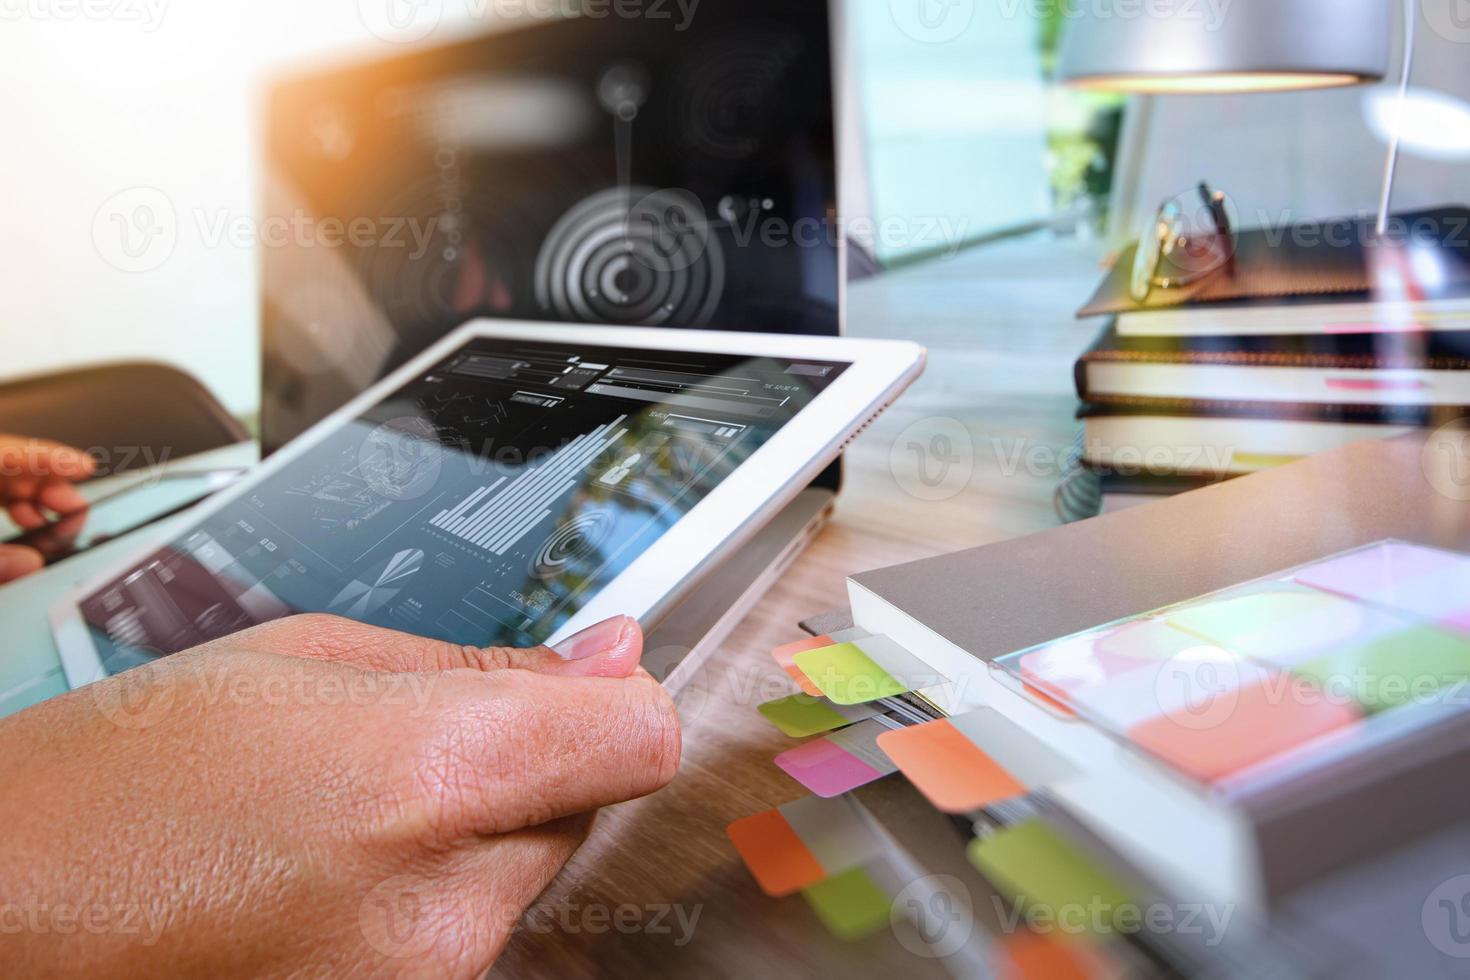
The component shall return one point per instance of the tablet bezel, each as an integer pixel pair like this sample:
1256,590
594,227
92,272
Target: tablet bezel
720,523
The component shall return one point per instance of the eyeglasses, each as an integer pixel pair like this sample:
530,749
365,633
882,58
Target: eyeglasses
1191,239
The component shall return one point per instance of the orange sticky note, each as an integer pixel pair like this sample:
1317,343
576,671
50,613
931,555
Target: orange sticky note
1242,727
948,768
786,657
1034,957
780,861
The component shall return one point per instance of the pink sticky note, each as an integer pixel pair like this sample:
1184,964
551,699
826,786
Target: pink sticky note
839,763
1420,582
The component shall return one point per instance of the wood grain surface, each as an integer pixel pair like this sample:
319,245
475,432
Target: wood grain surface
1002,337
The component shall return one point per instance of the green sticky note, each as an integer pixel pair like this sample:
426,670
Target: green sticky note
1392,670
851,905
1253,609
848,676
1047,875
802,715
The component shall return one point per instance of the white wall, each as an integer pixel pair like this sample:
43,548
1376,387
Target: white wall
155,94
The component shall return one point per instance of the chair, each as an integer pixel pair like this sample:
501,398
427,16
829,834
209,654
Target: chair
128,415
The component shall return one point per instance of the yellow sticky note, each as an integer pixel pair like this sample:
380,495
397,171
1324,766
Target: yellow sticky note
849,676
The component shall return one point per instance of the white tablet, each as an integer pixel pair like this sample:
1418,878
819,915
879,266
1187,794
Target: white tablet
513,484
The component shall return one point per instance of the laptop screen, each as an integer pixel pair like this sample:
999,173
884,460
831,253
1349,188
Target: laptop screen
676,171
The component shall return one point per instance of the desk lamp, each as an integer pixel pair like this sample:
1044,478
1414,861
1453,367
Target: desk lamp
1249,46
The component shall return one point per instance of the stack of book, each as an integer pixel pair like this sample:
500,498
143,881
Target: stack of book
1173,399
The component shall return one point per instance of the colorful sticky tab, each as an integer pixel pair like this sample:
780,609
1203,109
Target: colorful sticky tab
1222,684
849,676
1415,664
800,716
841,762
1031,956
1094,658
948,768
851,905
1241,727
778,858
864,669
1281,622
971,761
895,659
1034,867
1423,582
1194,686
802,843
786,658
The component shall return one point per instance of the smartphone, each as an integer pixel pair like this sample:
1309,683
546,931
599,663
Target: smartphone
124,511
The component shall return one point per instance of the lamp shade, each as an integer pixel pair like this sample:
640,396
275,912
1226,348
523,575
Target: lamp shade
1206,46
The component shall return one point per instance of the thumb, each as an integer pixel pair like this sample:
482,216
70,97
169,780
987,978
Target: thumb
499,751
17,561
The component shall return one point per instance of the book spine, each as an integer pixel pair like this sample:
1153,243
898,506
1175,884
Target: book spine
1131,405
1079,377
1291,359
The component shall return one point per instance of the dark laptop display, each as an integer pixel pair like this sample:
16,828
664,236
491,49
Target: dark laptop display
611,170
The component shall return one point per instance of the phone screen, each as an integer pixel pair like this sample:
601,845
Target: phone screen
122,512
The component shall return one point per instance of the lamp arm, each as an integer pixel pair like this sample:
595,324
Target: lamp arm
1411,10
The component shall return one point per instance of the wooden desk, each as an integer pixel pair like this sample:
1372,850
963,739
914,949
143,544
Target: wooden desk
1002,339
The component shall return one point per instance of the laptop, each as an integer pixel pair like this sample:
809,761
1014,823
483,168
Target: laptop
617,171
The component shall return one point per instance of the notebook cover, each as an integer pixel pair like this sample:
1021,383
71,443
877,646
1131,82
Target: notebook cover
1267,265
828,623
1000,598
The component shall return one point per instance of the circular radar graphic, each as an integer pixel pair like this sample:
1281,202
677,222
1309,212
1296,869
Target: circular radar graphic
732,90
635,256
572,542
401,459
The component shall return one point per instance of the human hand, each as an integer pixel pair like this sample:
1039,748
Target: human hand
36,476
316,797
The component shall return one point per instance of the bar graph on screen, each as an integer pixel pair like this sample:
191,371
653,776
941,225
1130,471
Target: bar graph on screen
497,516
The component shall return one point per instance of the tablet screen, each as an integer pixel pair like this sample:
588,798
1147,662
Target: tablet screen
484,502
